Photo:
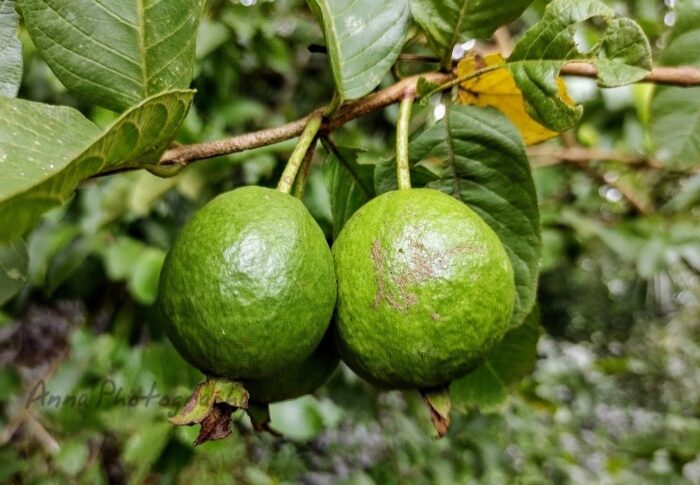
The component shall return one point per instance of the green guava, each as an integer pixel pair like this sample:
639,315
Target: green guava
425,290
298,380
248,288
214,401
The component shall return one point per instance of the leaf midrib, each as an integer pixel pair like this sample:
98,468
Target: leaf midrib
341,160
456,184
141,13
457,30
332,46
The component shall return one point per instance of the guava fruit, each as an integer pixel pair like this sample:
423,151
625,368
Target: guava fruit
297,380
425,290
213,401
248,288
290,383
247,293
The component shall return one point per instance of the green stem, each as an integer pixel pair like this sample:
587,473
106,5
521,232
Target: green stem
462,79
302,177
336,103
403,172
307,137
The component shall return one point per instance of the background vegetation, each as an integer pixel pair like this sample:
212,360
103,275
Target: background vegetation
615,393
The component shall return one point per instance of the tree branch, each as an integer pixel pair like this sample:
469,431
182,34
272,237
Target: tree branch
684,76
185,154
543,156
182,155
548,155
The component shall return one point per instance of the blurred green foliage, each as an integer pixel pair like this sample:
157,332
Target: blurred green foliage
615,394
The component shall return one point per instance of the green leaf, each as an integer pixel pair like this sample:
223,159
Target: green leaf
447,23
687,197
143,283
675,112
144,447
422,173
488,386
13,269
68,261
72,457
10,50
300,419
653,243
116,53
477,156
44,245
424,88
350,185
136,263
46,151
622,56
364,39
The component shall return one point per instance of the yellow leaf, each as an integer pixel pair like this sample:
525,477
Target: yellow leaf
497,88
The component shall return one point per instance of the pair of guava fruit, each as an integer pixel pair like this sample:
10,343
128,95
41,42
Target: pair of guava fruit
421,286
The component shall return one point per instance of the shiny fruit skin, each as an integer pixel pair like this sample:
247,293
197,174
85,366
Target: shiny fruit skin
425,289
296,381
248,288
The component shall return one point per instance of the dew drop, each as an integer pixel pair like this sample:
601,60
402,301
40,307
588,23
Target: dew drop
440,111
670,18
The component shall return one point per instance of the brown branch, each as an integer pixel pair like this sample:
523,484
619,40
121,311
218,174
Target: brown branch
418,58
543,156
684,76
185,154
552,156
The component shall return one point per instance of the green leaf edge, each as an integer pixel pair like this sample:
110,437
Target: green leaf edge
14,233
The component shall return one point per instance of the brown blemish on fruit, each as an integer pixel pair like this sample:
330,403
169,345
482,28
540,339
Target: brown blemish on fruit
467,248
400,300
422,264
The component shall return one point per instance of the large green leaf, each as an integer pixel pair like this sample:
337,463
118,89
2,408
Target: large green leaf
10,50
349,183
116,53
622,56
46,151
675,112
477,156
515,357
449,22
364,39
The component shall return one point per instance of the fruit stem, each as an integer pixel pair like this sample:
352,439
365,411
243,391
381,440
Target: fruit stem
302,177
295,161
403,172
